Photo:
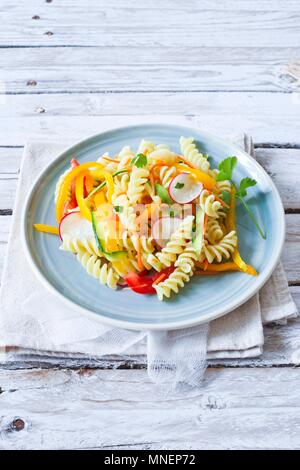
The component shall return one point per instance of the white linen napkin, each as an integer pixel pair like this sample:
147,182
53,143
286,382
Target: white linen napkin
173,356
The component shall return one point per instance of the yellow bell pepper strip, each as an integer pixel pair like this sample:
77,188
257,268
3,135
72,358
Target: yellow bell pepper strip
63,192
46,228
99,199
79,191
109,181
103,183
230,225
207,181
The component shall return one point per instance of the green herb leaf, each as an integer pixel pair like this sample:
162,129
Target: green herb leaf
139,160
179,185
226,168
163,193
226,196
118,209
244,184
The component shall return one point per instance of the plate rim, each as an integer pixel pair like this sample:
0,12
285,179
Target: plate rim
133,325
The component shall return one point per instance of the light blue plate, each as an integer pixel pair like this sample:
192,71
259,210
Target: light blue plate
204,298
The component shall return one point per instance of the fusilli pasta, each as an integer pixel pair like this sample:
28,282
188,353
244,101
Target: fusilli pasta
103,272
223,249
192,154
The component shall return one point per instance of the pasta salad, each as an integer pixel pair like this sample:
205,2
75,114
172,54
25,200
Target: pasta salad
150,219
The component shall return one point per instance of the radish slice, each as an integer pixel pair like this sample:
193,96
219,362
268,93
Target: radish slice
163,228
184,188
75,225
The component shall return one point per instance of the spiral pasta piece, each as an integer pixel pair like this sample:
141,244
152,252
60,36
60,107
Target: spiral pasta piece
166,174
186,260
162,154
175,246
138,179
223,249
153,262
109,165
192,154
75,245
209,204
184,266
124,157
131,243
121,183
103,272
214,232
146,147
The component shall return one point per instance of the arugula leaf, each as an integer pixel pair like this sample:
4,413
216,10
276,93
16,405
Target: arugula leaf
244,184
226,168
179,186
139,160
163,193
226,197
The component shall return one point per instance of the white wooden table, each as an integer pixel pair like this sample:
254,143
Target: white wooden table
233,65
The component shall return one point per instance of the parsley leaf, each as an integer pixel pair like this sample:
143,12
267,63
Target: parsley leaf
118,209
244,184
226,168
139,160
179,185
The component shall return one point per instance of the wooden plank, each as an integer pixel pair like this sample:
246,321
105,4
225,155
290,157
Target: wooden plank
71,410
60,116
226,105
280,163
21,8
56,70
126,25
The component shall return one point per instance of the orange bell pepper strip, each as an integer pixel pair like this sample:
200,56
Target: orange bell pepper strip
219,267
231,225
63,192
139,255
46,228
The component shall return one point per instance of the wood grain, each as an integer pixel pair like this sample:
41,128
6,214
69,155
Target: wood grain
51,116
245,408
149,24
61,70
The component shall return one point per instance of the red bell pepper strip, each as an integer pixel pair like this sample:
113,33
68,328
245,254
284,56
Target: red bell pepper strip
143,284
